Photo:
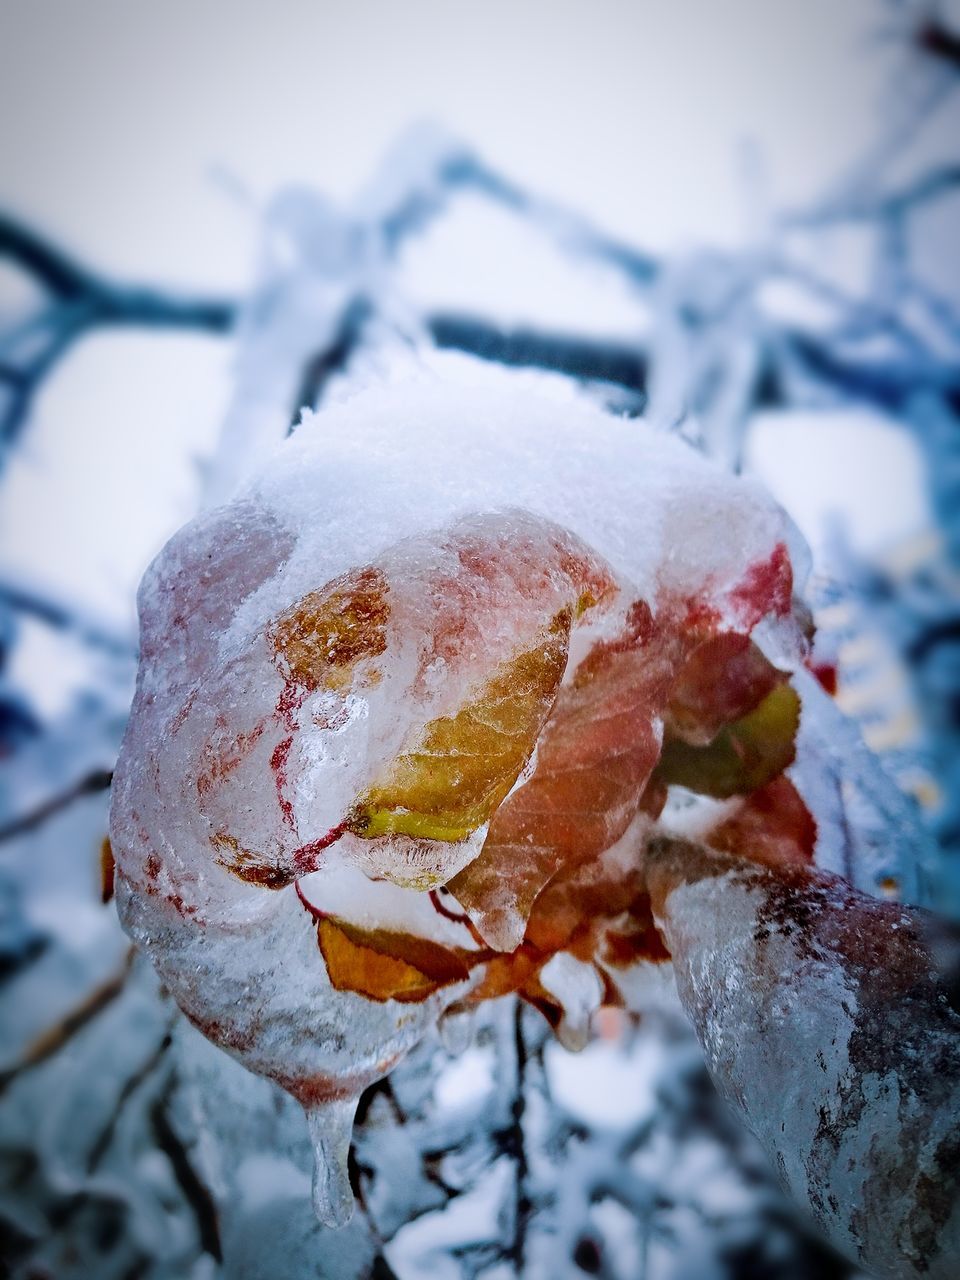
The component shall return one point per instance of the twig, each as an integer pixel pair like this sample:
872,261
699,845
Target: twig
65,618
332,359
941,43
54,1038
68,280
197,1194
522,1204
130,1086
868,208
457,169
583,358
47,262
95,781
84,300
888,386
573,231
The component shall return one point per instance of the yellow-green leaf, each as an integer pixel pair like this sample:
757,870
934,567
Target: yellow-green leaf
451,779
744,755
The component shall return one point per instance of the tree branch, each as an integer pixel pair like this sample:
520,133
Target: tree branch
62,617
583,358
50,265
55,1037
96,781
83,301
197,1195
940,42
862,207
886,386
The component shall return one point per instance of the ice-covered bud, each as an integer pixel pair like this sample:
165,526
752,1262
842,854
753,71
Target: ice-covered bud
408,706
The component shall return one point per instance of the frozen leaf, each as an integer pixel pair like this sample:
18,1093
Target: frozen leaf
771,825
382,964
594,759
451,779
722,680
743,756
320,640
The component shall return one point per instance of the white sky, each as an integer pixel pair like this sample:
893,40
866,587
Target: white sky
630,109
117,117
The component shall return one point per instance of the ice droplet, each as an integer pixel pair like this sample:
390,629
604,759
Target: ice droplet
577,988
456,1030
331,1127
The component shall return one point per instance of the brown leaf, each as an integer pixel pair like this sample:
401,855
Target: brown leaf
319,640
107,869
382,964
594,759
772,825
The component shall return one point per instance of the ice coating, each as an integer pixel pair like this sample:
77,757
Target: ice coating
420,451
826,1023
440,632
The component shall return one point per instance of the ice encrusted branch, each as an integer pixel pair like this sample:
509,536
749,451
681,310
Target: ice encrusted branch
352,251
78,300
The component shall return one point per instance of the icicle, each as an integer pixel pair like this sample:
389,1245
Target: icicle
577,989
331,1127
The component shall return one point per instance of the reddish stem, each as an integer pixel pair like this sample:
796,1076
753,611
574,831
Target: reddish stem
463,918
308,905
305,859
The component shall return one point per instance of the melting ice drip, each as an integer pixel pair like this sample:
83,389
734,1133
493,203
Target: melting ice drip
331,1126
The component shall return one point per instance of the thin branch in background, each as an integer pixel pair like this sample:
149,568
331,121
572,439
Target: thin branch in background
884,385
619,363
940,42
82,301
63,617
571,230
332,359
110,303
869,207
54,1038
515,1144
130,1086
196,1193
939,309
453,167
47,262
96,781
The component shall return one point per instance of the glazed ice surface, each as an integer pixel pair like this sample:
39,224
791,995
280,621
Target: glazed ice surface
409,706
826,1022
